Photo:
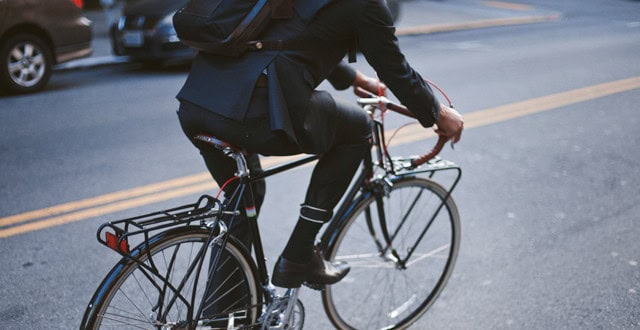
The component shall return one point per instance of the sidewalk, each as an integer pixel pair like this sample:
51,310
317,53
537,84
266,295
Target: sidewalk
416,17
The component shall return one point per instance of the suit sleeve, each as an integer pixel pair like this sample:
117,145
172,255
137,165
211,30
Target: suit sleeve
379,45
342,76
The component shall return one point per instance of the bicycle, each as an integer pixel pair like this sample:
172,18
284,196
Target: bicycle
400,233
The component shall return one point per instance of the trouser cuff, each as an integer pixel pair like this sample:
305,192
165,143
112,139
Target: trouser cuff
315,214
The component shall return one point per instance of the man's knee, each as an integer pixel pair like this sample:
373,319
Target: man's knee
362,131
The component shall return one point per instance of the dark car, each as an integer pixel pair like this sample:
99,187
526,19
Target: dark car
34,36
145,32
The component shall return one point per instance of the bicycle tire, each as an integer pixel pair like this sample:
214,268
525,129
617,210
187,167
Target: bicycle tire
127,298
378,293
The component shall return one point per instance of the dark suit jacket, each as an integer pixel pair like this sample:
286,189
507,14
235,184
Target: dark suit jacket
328,28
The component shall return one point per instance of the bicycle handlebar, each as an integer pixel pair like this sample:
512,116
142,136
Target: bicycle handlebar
401,109
442,140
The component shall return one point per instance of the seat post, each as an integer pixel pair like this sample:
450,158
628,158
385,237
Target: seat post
236,153
241,163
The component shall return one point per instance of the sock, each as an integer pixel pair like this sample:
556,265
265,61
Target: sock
299,249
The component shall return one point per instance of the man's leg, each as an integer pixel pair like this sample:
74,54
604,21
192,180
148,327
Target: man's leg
329,181
222,168
224,279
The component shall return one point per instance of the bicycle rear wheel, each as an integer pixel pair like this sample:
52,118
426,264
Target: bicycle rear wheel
384,289
164,291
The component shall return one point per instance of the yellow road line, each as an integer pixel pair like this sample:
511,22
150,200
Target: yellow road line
104,199
520,109
121,200
107,209
508,5
486,23
549,102
198,183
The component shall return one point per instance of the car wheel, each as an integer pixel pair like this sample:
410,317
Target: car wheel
26,64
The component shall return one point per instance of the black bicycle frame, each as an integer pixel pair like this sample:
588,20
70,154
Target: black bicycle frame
363,183
243,195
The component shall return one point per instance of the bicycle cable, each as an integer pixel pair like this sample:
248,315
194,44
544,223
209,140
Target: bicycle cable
231,179
383,109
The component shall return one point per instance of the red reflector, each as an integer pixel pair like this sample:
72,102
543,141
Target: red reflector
112,242
78,3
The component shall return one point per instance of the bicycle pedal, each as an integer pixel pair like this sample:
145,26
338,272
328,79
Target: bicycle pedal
318,287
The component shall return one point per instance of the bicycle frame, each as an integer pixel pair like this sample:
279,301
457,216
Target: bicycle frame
213,215
364,183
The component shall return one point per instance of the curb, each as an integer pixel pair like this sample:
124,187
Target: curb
91,62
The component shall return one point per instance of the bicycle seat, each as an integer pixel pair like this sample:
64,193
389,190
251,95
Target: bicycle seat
217,143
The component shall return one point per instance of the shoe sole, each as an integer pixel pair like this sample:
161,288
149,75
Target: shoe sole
290,282
295,281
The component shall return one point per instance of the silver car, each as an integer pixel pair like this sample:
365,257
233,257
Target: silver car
34,36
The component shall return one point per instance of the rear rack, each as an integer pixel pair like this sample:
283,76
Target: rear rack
118,235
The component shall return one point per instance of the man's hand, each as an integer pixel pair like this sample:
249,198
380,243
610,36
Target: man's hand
370,84
450,124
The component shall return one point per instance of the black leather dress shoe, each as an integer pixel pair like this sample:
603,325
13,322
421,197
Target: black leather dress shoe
317,272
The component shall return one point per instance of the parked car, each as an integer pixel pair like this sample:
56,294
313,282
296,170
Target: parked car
145,32
34,36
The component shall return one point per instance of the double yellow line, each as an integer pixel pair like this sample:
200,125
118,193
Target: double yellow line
110,203
202,182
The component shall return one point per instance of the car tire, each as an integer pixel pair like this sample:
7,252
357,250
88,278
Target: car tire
26,64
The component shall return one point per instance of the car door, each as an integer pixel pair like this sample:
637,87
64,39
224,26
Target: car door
3,10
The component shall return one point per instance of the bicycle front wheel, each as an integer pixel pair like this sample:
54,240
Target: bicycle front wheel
395,276
163,285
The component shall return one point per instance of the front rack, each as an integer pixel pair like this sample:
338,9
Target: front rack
403,165
117,235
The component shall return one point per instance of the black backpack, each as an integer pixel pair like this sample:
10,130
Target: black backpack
229,27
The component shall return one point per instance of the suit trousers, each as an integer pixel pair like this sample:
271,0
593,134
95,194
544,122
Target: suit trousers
331,175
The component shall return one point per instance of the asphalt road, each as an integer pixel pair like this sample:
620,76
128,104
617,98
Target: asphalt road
549,198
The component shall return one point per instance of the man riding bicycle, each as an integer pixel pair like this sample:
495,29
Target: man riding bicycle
265,102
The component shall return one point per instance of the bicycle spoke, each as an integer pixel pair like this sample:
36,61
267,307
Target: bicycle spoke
395,290
120,323
132,303
406,215
365,261
429,255
125,317
131,316
222,295
168,279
